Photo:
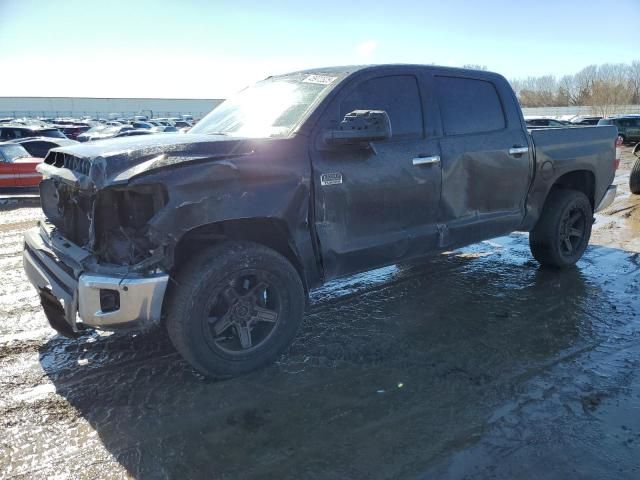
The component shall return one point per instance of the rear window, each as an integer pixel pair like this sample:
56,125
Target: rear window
39,148
13,152
605,122
469,106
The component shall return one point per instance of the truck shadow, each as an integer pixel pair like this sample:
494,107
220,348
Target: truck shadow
392,370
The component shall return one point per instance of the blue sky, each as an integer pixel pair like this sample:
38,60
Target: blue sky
193,49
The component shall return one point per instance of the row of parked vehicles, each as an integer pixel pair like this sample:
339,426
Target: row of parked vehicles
628,125
24,144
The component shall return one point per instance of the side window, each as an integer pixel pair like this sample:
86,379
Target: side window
40,149
398,95
469,106
8,134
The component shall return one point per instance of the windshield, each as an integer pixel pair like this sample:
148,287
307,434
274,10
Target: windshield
13,152
270,108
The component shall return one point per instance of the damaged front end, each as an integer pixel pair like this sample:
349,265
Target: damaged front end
110,222
94,255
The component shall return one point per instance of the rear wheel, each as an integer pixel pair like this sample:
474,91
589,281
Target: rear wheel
634,178
562,233
235,308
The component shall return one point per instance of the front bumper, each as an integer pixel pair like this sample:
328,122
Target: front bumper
54,266
608,198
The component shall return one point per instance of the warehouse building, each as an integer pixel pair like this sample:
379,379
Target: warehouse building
18,107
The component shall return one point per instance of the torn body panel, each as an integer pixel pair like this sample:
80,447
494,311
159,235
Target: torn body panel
147,201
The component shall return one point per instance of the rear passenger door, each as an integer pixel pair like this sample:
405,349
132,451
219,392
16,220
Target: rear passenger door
486,166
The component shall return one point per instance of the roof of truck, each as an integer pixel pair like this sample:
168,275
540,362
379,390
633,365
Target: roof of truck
345,69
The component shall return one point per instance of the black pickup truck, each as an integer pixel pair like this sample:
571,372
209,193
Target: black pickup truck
220,234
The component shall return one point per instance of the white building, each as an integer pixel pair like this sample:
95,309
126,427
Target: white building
104,107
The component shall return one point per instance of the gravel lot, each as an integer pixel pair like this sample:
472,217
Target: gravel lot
475,364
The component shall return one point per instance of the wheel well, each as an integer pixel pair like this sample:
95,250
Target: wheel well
269,232
582,180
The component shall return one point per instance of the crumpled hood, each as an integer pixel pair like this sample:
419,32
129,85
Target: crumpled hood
117,160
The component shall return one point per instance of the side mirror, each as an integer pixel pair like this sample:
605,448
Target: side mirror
360,127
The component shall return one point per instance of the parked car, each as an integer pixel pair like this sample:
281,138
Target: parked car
102,132
580,120
17,166
628,126
634,177
182,124
544,122
11,132
72,131
134,132
163,121
138,124
40,146
164,129
295,181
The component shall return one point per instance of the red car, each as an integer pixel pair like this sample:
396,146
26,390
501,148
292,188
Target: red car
17,167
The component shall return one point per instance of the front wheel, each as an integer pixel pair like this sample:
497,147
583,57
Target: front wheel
562,233
234,308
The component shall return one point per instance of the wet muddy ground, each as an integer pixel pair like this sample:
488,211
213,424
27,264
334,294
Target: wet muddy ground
475,364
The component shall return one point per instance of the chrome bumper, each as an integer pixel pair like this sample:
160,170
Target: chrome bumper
608,198
54,266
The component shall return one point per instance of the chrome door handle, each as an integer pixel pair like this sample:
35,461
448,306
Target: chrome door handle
426,160
518,150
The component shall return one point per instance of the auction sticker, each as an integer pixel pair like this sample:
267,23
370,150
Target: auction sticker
319,79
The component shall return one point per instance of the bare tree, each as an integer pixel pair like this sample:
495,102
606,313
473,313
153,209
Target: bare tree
569,90
611,88
634,80
601,86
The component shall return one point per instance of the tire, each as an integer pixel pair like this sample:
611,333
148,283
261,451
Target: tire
634,178
220,312
567,215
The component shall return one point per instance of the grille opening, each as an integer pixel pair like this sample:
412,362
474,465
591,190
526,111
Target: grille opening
71,162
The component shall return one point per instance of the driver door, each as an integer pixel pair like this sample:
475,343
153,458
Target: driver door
376,206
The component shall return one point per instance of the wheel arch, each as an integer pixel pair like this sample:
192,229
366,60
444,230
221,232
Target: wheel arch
581,180
269,232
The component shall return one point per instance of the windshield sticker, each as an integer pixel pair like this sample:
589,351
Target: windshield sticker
319,79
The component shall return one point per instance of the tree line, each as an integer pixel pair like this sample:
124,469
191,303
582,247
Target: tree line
602,87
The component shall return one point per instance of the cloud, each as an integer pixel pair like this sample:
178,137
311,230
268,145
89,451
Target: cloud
366,48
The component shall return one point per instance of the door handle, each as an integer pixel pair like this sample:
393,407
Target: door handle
427,160
515,150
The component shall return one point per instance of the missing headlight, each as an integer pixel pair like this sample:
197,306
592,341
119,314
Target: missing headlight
121,223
